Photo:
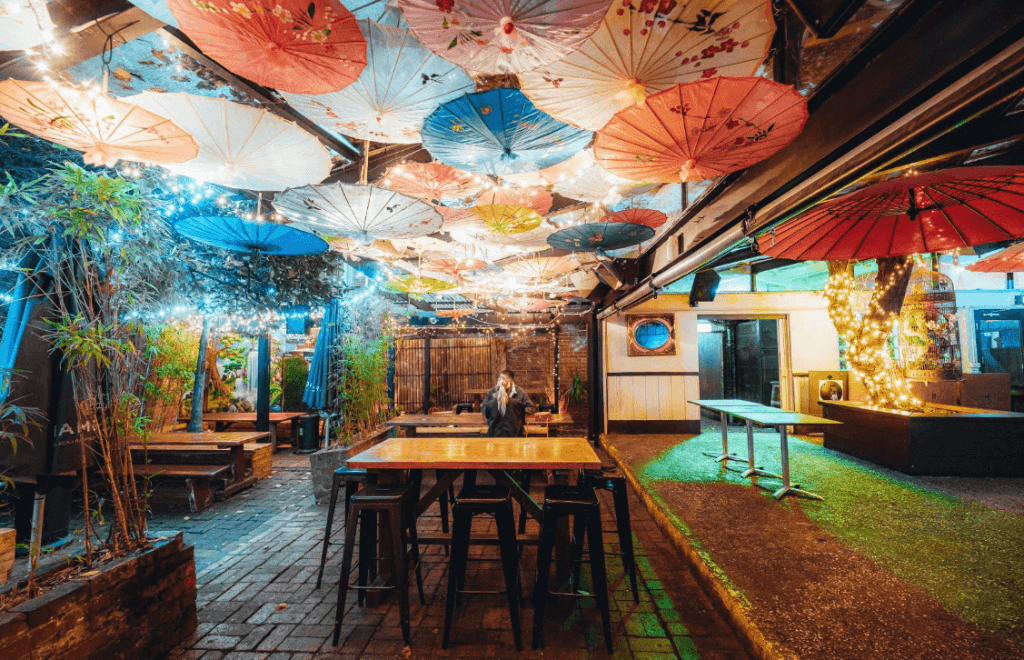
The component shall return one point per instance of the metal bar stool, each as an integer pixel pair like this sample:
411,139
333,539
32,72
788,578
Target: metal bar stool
474,501
611,479
350,478
394,503
580,503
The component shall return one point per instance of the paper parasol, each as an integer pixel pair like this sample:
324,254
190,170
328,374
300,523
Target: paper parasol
454,267
241,235
1008,260
931,212
418,285
552,175
435,183
499,132
537,199
529,304
542,267
402,83
507,220
360,212
599,236
298,46
24,24
503,36
647,217
701,130
240,146
647,46
597,185
104,128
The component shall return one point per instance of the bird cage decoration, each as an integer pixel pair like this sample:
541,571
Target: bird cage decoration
929,329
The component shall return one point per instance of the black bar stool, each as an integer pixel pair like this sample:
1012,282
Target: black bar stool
611,479
474,501
580,503
394,503
350,478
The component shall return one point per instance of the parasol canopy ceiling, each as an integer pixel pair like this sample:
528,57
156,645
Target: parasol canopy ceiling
701,130
402,83
240,146
542,267
104,129
360,212
503,36
24,24
241,235
933,212
436,183
647,217
298,46
1007,260
499,132
647,46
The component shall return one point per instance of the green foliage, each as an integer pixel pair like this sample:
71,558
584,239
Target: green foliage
173,351
364,388
577,392
294,372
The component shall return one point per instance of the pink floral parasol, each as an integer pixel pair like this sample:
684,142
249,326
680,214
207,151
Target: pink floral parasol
503,36
435,183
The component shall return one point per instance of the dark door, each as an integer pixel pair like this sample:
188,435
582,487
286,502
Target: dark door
710,352
999,334
757,359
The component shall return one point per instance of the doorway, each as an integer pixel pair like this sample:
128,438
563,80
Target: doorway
739,358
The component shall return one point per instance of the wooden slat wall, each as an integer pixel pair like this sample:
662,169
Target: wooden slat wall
457,364
652,397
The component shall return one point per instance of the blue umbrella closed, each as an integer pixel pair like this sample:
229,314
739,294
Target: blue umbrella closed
241,235
499,132
600,236
315,395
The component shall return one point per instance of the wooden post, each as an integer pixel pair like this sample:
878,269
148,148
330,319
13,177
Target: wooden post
195,421
426,375
558,369
594,422
263,383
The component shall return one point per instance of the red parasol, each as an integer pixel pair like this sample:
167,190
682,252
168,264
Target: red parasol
648,217
701,130
436,183
930,212
298,46
1010,260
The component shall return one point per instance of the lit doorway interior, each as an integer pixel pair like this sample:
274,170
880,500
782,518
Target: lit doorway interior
743,358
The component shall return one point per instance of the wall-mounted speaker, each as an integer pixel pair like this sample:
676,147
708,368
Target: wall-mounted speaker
610,275
705,286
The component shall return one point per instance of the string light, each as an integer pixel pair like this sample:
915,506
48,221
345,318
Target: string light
867,337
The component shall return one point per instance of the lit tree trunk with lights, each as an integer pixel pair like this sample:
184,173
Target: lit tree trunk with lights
867,336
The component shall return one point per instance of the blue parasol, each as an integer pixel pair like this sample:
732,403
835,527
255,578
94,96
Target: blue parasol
499,132
315,395
241,235
600,236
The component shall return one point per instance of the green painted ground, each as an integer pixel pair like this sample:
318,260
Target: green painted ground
965,555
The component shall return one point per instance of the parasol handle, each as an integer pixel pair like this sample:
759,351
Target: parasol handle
365,169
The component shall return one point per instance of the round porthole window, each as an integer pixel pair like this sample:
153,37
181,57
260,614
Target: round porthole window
652,334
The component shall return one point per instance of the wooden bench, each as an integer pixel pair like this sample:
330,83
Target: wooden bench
198,479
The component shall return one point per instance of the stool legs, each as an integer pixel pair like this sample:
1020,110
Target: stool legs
457,568
346,568
510,562
625,529
335,486
595,545
540,588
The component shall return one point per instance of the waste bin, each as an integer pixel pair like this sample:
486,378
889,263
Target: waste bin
309,434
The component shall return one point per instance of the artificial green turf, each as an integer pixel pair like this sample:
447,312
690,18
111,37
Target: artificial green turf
965,555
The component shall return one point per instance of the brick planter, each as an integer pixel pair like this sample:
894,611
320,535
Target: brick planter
136,607
323,463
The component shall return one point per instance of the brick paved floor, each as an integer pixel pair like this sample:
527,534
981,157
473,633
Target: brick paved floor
257,556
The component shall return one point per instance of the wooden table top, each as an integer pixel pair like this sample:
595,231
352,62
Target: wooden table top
440,419
227,439
249,416
478,454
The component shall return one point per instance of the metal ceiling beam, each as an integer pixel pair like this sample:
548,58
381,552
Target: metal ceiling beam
932,66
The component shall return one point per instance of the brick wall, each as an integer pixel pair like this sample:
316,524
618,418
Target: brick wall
135,607
572,358
532,358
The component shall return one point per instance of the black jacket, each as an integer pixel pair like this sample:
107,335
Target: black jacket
512,423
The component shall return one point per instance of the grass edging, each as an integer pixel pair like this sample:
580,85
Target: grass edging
721,595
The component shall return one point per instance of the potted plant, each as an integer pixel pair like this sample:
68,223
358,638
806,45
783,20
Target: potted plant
575,395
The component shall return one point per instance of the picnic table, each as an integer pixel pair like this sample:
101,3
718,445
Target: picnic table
762,415
188,448
223,420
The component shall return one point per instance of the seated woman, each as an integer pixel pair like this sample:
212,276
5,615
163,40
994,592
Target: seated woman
505,408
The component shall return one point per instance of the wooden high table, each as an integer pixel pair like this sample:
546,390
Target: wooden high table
756,413
223,420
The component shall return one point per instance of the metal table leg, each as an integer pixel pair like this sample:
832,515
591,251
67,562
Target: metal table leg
754,471
787,488
725,455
